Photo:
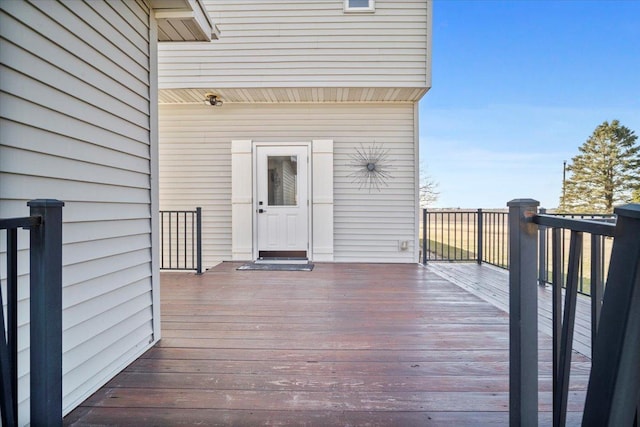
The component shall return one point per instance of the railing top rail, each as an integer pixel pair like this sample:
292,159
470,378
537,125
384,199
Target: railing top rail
598,227
436,210
185,211
24,222
464,210
582,215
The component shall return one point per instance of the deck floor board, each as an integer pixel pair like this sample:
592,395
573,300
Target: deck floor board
344,344
492,285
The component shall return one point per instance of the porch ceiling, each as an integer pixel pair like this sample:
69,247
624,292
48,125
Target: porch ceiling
291,95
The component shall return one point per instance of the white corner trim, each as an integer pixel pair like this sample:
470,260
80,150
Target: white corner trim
416,178
154,154
429,46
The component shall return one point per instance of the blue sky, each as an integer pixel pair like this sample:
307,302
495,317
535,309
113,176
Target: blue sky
518,86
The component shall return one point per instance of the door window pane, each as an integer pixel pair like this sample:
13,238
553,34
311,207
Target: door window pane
283,180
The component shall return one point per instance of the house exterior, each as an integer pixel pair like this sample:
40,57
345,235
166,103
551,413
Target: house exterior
302,83
319,102
78,113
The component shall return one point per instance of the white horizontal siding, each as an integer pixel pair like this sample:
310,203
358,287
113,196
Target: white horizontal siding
303,43
195,169
75,126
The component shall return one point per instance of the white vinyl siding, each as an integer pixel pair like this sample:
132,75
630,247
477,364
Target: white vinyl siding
195,169
75,126
304,43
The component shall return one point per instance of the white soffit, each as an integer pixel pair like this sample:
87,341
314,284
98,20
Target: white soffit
183,20
291,95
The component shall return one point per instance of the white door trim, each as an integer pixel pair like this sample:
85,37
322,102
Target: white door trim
254,150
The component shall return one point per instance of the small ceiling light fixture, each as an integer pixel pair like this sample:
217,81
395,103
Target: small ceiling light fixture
211,99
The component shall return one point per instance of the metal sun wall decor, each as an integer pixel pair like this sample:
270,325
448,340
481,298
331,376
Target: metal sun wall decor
371,167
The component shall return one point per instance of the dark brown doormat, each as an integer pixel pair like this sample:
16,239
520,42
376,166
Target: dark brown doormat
276,267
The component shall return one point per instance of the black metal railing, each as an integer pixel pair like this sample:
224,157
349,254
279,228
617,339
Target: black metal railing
482,236
451,235
465,235
594,261
614,384
181,240
45,275
494,237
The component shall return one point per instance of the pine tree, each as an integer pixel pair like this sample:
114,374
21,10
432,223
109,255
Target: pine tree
606,173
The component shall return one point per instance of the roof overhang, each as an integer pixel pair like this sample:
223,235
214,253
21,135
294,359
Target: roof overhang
183,21
291,95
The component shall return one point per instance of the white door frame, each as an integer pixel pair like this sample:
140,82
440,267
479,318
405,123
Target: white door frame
255,192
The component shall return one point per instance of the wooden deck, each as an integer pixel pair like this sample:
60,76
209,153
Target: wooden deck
492,285
345,344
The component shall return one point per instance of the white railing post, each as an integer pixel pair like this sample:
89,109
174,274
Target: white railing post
523,313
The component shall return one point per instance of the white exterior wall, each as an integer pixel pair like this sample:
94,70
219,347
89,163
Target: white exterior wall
305,43
77,119
195,169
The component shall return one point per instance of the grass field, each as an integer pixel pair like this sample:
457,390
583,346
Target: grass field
453,235
443,251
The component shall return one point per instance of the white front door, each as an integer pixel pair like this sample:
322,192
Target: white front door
282,202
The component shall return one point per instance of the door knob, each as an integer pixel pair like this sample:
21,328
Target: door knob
262,210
